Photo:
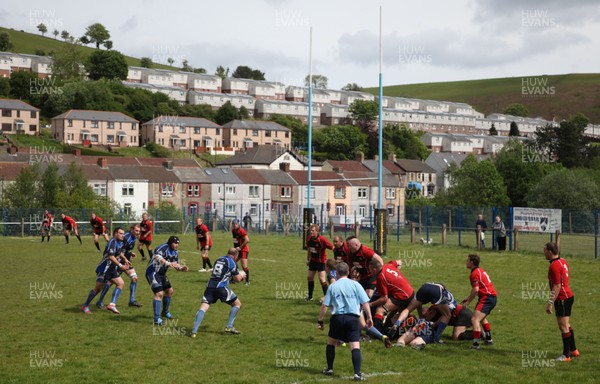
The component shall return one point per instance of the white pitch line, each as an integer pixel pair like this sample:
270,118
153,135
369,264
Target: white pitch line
251,258
367,375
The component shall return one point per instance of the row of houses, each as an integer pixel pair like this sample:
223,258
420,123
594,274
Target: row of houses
266,182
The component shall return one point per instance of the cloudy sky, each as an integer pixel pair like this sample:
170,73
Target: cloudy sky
423,41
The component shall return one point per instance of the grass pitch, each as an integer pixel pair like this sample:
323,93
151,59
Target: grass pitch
45,337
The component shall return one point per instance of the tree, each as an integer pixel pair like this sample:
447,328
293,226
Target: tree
23,192
222,72
108,44
364,112
199,110
146,62
50,186
5,43
521,168
351,87
199,70
244,114
55,33
65,35
565,141
42,28
476,184
405,143
77,192
566,189
341,142
226,113
4,87
245,72
517,109
493,131
514,129
68,61
170,60
97,34
107,64
84,40
318,81
298,129
20,84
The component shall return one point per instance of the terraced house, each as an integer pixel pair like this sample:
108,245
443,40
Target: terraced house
95,128
19,117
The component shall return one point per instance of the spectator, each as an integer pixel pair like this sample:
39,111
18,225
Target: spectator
480,225
499,231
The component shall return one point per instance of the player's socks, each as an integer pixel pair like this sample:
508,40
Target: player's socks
324,287
43,238
142,253
115,295
378,321
476,336
132,289
104,292
373,332
311,288
203,263
209,263
97,245
150,252
330,355
79,238
232,314
48,238
198,321
487,332
156,305
573,347
566,339
438,332
247,274
67,238
356,360
166,303
90,297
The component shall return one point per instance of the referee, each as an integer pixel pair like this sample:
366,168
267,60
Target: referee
345,297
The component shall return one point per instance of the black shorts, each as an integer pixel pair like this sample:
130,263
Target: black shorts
111,273
68,227
316,266
158,282
562,308
211,295
435,294
345,328
147,242
100,232
485,304
368,283
401,304
463,319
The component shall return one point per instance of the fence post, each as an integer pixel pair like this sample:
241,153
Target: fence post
22,227
331,229
450,220
266,227
356,229
478,233
557,234
444,241
398,225
516,244
427,224
596,237
412,233
459,225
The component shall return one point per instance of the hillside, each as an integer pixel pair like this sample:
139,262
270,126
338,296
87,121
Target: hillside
547,96
24,42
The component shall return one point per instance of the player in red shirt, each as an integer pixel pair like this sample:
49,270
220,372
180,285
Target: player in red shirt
562,298
360,257
240,242
69,225
316,257
394,290
340,249
203,243
145,236
47,225
98,228
481,286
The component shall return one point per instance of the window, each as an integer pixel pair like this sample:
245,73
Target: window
182,129
167,190
285,192
362,210
94,138
110,125
196,130
267,133
340,192
218,190
235,132
193,209
32,127
390,193
253,191
255,132
230,190
133,126
100,189
339,209
287,135
362,193
94,124
218,131
253,209
230,209
69,123
127,190
110,138
160,128
284,210
33,114
193,190
6,113
127,209
390,209
312,192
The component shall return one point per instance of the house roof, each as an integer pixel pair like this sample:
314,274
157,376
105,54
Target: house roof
78,114
255,124
16,104
158,174
367,179
221,175
387,165
10,171
191,175
440,161
276,177
249,176
319,178
414,166
348,165
183,121
262,155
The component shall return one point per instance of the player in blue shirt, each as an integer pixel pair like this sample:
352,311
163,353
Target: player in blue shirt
217,288
108,270
164,256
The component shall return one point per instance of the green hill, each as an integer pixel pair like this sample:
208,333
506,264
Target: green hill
554,96
24,42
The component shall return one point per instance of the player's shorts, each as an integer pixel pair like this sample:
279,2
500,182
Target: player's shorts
562,308
485,304
462,319
158,282
369,283
244,254
46,230
147,242
435,294
401,304
345,328
316,266
68,227
112,273
203,246
211,295
100,231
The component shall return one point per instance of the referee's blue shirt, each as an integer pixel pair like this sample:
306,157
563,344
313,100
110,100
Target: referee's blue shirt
345,297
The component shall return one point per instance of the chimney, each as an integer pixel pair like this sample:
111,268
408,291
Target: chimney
77,152
360,157
392,157
285,167
168,165
338,169
103,162
375,157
